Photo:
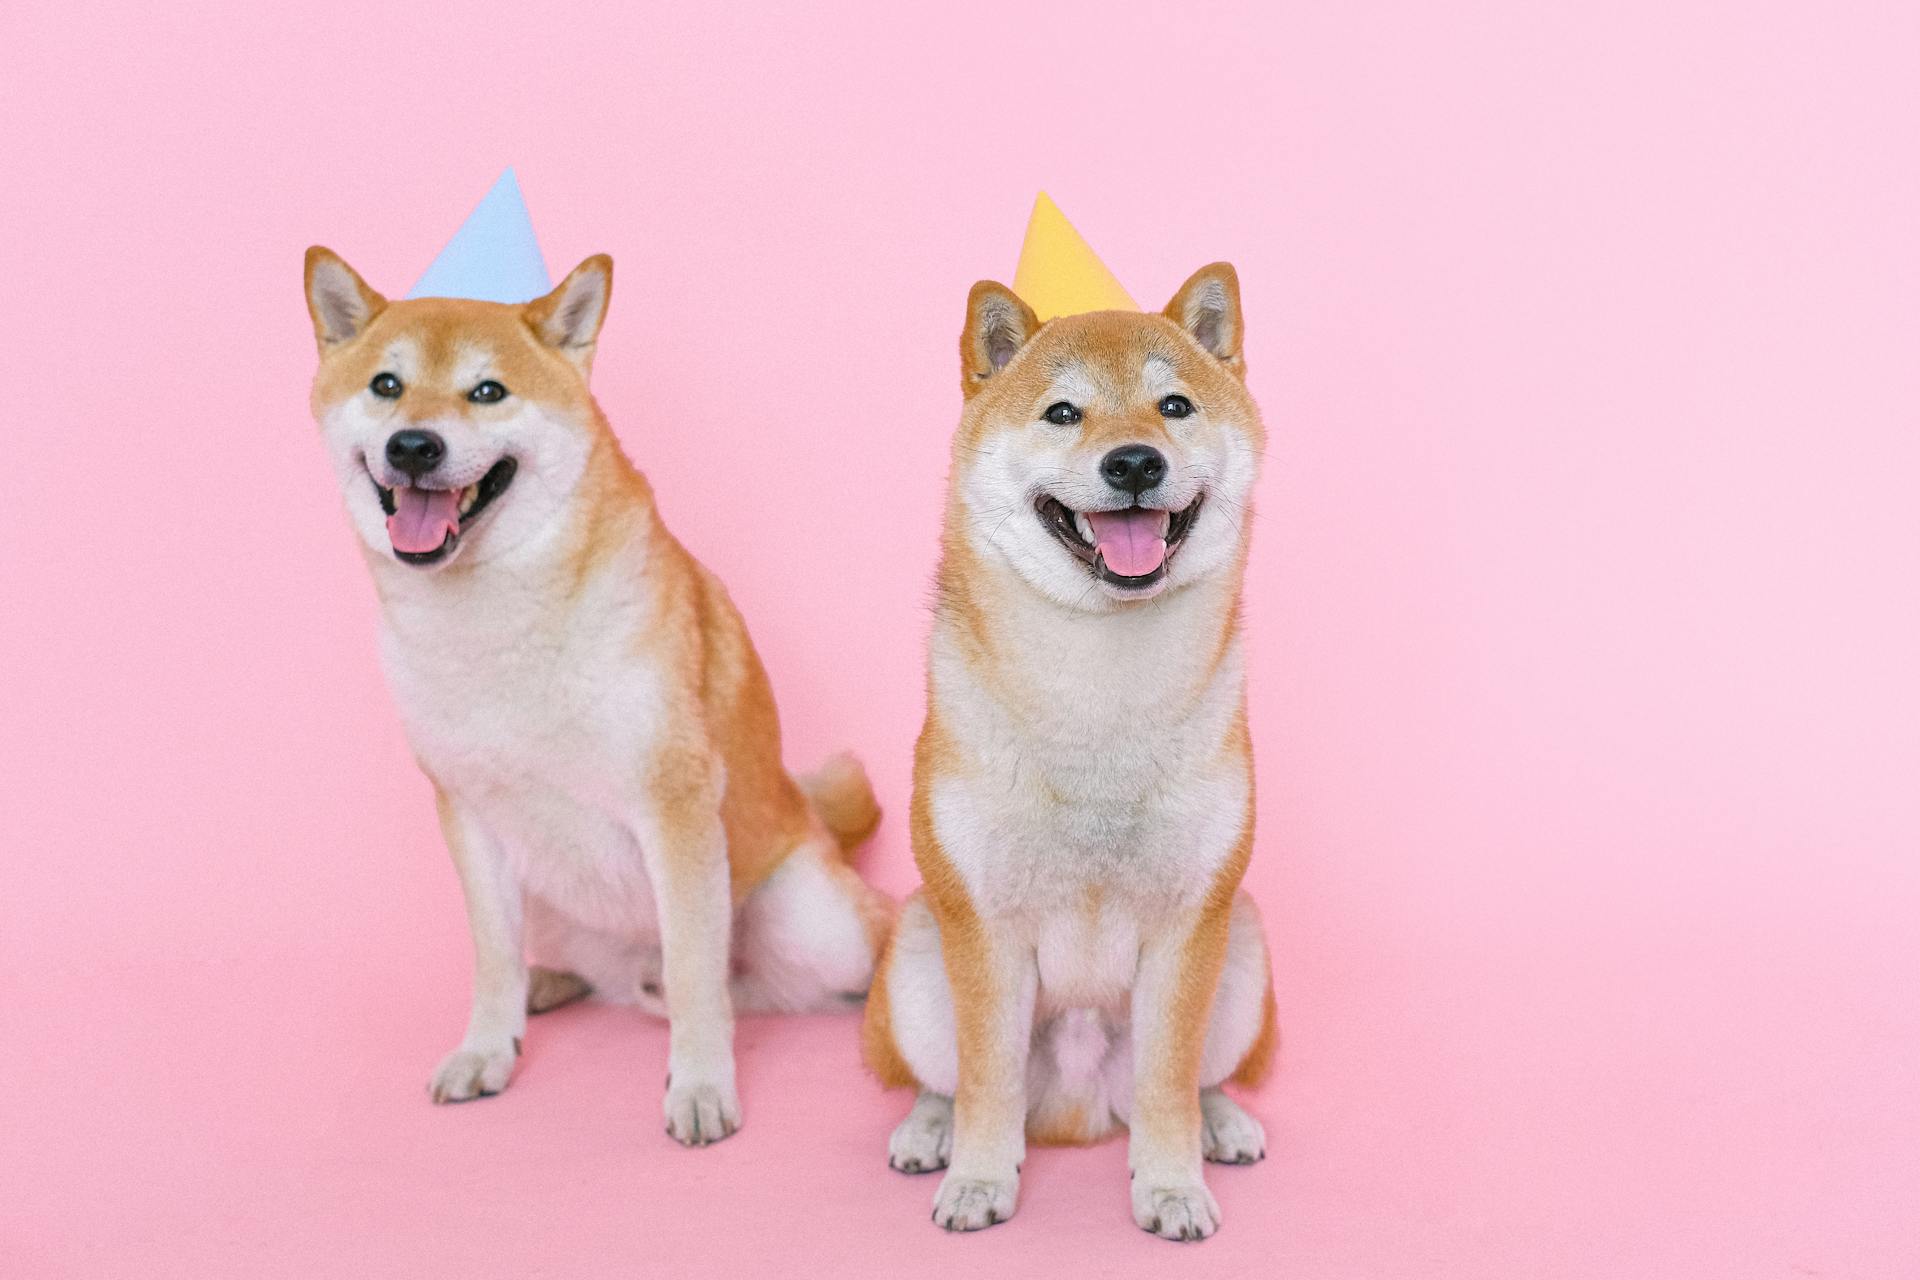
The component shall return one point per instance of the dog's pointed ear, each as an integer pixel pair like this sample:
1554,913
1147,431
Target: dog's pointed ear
998,325
1208,308
339,301
569,318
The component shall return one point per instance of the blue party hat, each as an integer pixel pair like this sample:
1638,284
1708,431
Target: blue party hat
494,256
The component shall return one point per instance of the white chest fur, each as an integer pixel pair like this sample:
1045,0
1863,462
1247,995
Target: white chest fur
533,711
1094,795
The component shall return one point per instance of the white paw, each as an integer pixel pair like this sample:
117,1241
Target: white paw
474,1071
969,1204
1176,1213
1228,1135
923,1142
701,1114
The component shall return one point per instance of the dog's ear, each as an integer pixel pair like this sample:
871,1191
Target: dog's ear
568,319
998,324
339,301
1208,308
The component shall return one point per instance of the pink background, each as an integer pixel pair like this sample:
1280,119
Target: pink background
1584,612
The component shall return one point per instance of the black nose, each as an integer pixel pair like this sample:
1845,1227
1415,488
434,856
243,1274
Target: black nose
415,452
1134,468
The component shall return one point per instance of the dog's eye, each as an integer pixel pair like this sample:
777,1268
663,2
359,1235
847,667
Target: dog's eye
386,385
1061,414
487,392
1175,406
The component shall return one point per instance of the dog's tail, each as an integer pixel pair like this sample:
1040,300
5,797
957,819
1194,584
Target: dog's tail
842,796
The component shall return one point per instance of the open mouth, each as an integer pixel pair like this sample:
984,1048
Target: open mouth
1130,547
425,524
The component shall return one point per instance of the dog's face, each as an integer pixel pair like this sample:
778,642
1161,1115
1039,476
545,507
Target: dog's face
458,428
1107,458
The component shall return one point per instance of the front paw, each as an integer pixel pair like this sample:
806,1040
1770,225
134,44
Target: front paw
923,1142
970,1204
477,1070
1186,1212
700,1114
1228,1135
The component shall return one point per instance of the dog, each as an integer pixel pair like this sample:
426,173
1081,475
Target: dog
582,694
1080,955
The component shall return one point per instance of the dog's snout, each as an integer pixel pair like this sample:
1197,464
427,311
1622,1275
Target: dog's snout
415,452
1134,468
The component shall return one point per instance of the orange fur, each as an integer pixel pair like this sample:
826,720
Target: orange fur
963,940
1257,1065
971,594
548,989
843,797
1005,703
1073,1127
877,1046
1165,1094
690,766
726,702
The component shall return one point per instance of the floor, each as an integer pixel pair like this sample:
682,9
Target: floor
225,1118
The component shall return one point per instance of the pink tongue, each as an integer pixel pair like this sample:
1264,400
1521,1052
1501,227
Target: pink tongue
422,519
1129,541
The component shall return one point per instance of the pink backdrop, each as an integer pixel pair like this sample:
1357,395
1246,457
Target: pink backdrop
1584,612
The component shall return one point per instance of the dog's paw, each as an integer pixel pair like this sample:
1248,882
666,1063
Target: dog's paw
969,1204
701,1114
549,989
1176,1213
1228,1135
474,1071
923,1142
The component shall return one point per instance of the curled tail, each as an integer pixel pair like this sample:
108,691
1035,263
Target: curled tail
842,796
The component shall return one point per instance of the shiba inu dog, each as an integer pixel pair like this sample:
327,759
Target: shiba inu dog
582,694
1081,955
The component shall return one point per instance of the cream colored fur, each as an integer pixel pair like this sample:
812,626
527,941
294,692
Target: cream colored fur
587,704
1081,957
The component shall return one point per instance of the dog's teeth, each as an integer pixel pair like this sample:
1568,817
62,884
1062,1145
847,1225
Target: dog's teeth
468,496
1084,526
1166,518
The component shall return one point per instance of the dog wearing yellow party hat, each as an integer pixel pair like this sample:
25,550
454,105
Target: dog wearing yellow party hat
1081,955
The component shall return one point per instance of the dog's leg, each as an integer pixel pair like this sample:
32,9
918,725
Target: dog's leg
1172,999
549,989
1240,1041
909,1039
484,1061
1229,1134
808,936
923,1142
994,980
684,847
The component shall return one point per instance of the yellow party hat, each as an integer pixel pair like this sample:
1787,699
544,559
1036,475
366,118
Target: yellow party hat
1058,274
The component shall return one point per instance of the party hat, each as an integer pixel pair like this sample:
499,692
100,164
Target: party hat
494,256
1058,274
